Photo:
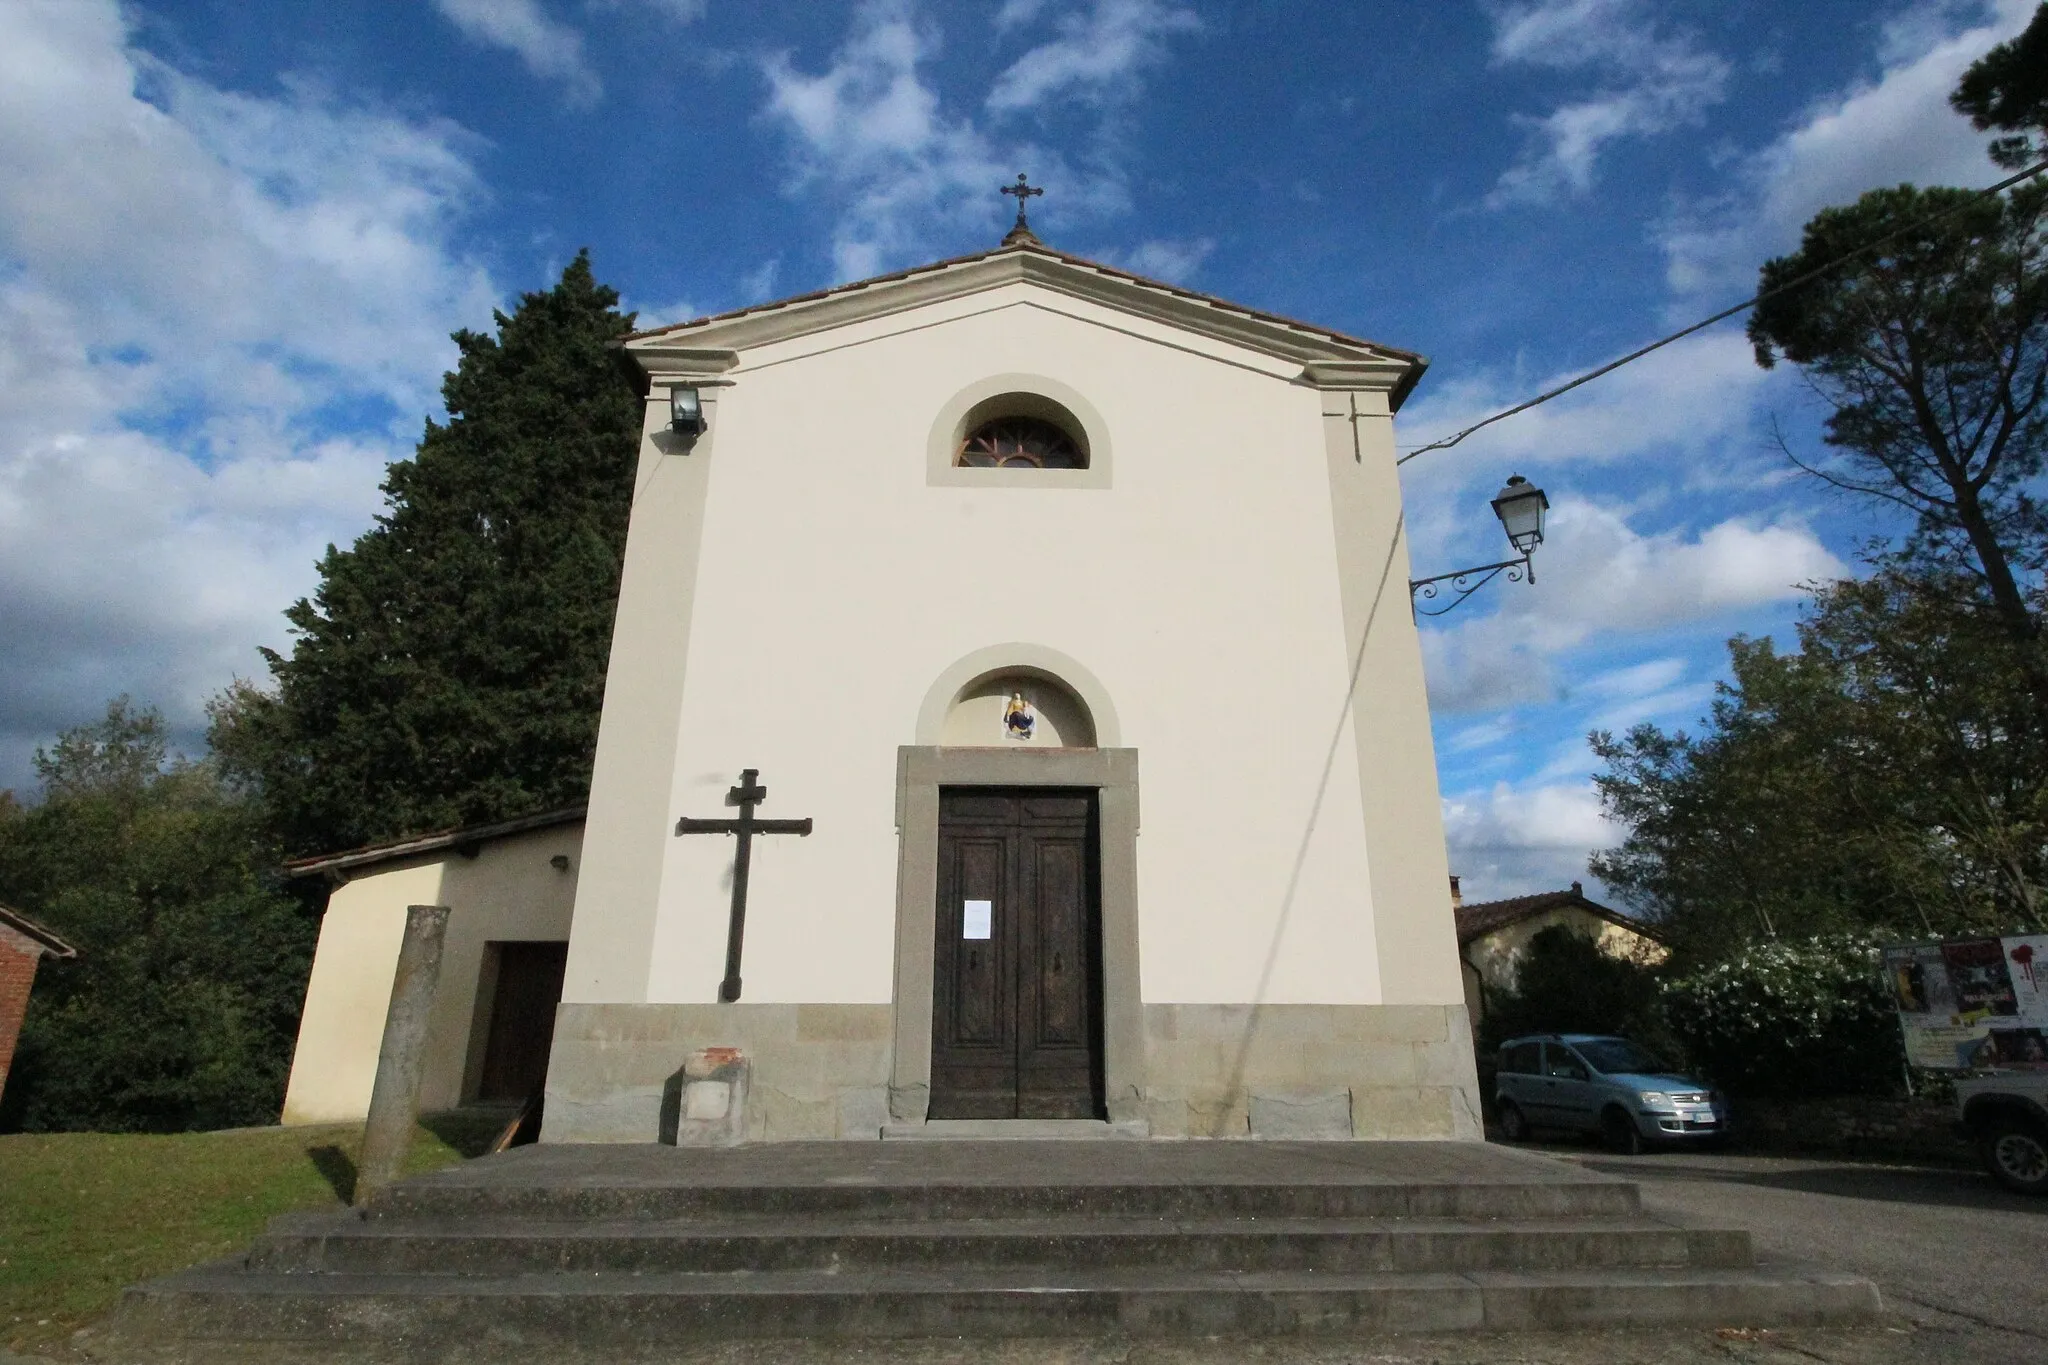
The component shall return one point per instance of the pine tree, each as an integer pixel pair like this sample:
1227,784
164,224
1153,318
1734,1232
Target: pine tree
450,667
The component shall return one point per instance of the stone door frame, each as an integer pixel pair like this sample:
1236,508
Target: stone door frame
920,771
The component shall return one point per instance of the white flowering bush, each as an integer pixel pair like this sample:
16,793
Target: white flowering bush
1792,1017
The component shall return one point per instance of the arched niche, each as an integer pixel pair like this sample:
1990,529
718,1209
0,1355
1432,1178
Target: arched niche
966,706
1017,707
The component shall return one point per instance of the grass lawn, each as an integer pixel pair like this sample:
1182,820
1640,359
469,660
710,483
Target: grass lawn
82,1214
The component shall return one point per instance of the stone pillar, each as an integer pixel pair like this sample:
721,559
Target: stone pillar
394,1099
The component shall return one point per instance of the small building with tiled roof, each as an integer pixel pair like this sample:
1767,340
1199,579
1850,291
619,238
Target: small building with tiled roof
23,945
1493,936
509,886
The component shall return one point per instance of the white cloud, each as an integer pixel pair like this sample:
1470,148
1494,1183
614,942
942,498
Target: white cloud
1657,80
1597,577
1692,398
1095,56
870,129
1512,841
902,173
1164,258
681,11
1016,12
758,284
551,50
648,316
191,280
1896,128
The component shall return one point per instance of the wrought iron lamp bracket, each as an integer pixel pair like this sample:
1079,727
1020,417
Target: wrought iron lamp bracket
1462,583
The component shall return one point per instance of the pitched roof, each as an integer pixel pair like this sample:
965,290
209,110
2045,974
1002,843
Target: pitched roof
1033,259
1484,917
465,838
28,928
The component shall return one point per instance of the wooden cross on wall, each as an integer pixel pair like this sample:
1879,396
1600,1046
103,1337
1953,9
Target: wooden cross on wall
747,795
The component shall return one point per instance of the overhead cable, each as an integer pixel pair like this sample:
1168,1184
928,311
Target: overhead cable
1613,365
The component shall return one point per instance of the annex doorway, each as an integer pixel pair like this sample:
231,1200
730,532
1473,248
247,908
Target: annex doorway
1017,993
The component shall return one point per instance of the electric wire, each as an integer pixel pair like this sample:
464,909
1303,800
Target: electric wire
1613,365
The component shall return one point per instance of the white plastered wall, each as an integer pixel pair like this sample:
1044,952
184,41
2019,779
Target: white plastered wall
509,891
835,582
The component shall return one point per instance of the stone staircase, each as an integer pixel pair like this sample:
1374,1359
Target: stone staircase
618,1251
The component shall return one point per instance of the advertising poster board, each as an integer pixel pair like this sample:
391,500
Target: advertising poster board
1973,1002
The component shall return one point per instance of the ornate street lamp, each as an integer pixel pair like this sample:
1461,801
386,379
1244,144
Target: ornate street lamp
1520,507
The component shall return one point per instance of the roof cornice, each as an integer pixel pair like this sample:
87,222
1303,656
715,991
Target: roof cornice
710,346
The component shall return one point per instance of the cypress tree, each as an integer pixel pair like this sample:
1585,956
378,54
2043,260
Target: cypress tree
450,667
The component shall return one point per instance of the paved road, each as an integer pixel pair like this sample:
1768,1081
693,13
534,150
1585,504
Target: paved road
1962,1260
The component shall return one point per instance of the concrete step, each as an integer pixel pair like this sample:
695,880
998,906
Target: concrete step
1017,1130
227,1303
342,1243
941,1200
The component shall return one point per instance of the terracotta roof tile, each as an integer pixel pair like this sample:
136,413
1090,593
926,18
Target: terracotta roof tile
1481,918
22,924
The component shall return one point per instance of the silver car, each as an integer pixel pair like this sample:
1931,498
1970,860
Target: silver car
1585,1083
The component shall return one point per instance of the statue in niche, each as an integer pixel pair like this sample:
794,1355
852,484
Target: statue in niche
1019,719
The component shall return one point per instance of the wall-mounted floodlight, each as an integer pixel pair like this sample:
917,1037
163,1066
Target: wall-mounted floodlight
1520,507
686,411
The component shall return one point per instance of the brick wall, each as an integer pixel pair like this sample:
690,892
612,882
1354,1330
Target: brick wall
18,956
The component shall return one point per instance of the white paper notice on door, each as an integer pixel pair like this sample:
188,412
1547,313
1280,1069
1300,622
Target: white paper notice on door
975,918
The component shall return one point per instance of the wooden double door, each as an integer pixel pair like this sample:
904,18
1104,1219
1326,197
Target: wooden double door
1017,988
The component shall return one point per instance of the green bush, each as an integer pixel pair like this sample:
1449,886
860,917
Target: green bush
1564,983
1792,1018
181,1008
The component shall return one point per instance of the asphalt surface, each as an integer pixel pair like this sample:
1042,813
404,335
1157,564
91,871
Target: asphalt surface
1962,1262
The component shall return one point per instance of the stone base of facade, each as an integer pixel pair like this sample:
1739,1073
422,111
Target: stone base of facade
622,1073
617,1072
1310,1071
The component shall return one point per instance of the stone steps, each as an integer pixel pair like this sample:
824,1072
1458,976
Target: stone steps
593,1312
340,1244
584,1251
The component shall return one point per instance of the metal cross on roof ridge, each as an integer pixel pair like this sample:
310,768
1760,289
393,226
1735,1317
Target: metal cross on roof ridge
1023,192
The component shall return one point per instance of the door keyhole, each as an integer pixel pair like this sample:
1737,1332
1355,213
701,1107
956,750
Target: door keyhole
1055,964
973,960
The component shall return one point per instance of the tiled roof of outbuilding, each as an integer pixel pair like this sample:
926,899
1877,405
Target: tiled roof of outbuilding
1481,918
434,842
27,927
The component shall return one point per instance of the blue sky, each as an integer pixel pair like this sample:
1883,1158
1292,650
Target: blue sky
233,240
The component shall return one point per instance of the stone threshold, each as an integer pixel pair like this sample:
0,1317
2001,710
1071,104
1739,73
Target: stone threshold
1031,1130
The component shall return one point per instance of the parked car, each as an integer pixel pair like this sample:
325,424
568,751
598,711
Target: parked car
1585,1083
2006,1115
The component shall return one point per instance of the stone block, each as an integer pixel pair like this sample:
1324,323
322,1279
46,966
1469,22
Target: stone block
842,1023
852,1065
1215,1115
1401,1112
626,1115
1446,1063
704,1104
782,1117
1363,1063
864,1112
1301,1115
1167,1115
909,1103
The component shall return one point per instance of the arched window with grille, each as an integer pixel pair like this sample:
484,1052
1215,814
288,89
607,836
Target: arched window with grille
1020,443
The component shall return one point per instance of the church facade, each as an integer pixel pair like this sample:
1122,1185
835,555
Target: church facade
1047,628
1070,610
